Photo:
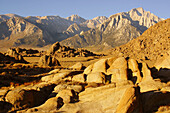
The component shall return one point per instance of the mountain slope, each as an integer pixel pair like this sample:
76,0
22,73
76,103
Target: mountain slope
7,16
32,30
95,22
16,31
50,23
49,29
154,43
75,29
118,29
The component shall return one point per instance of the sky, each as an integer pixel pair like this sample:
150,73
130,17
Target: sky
87,9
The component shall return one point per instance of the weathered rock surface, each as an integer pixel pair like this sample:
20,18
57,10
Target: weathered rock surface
30,96
112,91
133,65
7,59
100,66
77,66
60,87
52,78
79,78
150,86
88,69
68,96
96,77
163,63
118,69
48,61
102,99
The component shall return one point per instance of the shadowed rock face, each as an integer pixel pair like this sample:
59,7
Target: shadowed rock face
13,53
24,52
29,96
11,57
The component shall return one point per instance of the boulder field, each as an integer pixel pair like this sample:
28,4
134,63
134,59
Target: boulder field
110,85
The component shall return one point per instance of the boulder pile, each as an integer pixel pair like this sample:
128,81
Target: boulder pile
25,52
11,57
63,51
46,60
112,85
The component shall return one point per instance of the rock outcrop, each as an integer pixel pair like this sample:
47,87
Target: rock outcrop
64,51
46,60
7,59
24,52
13,53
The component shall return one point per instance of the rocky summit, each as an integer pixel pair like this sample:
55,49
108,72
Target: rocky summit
131,78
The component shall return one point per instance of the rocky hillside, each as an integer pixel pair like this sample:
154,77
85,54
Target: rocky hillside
118,29
154,43
17,31
75,29
7,16
33,31
64,51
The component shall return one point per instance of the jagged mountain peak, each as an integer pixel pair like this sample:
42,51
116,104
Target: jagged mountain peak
12,15
95,22
145,18
75,18
75,15
99,18
140,9
118,29
7,16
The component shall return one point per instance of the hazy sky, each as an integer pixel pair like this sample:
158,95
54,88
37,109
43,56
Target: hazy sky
85,8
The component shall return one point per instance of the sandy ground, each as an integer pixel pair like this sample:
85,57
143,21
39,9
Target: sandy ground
66,62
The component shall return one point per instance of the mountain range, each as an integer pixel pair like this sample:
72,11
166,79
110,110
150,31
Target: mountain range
118,29
97,34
